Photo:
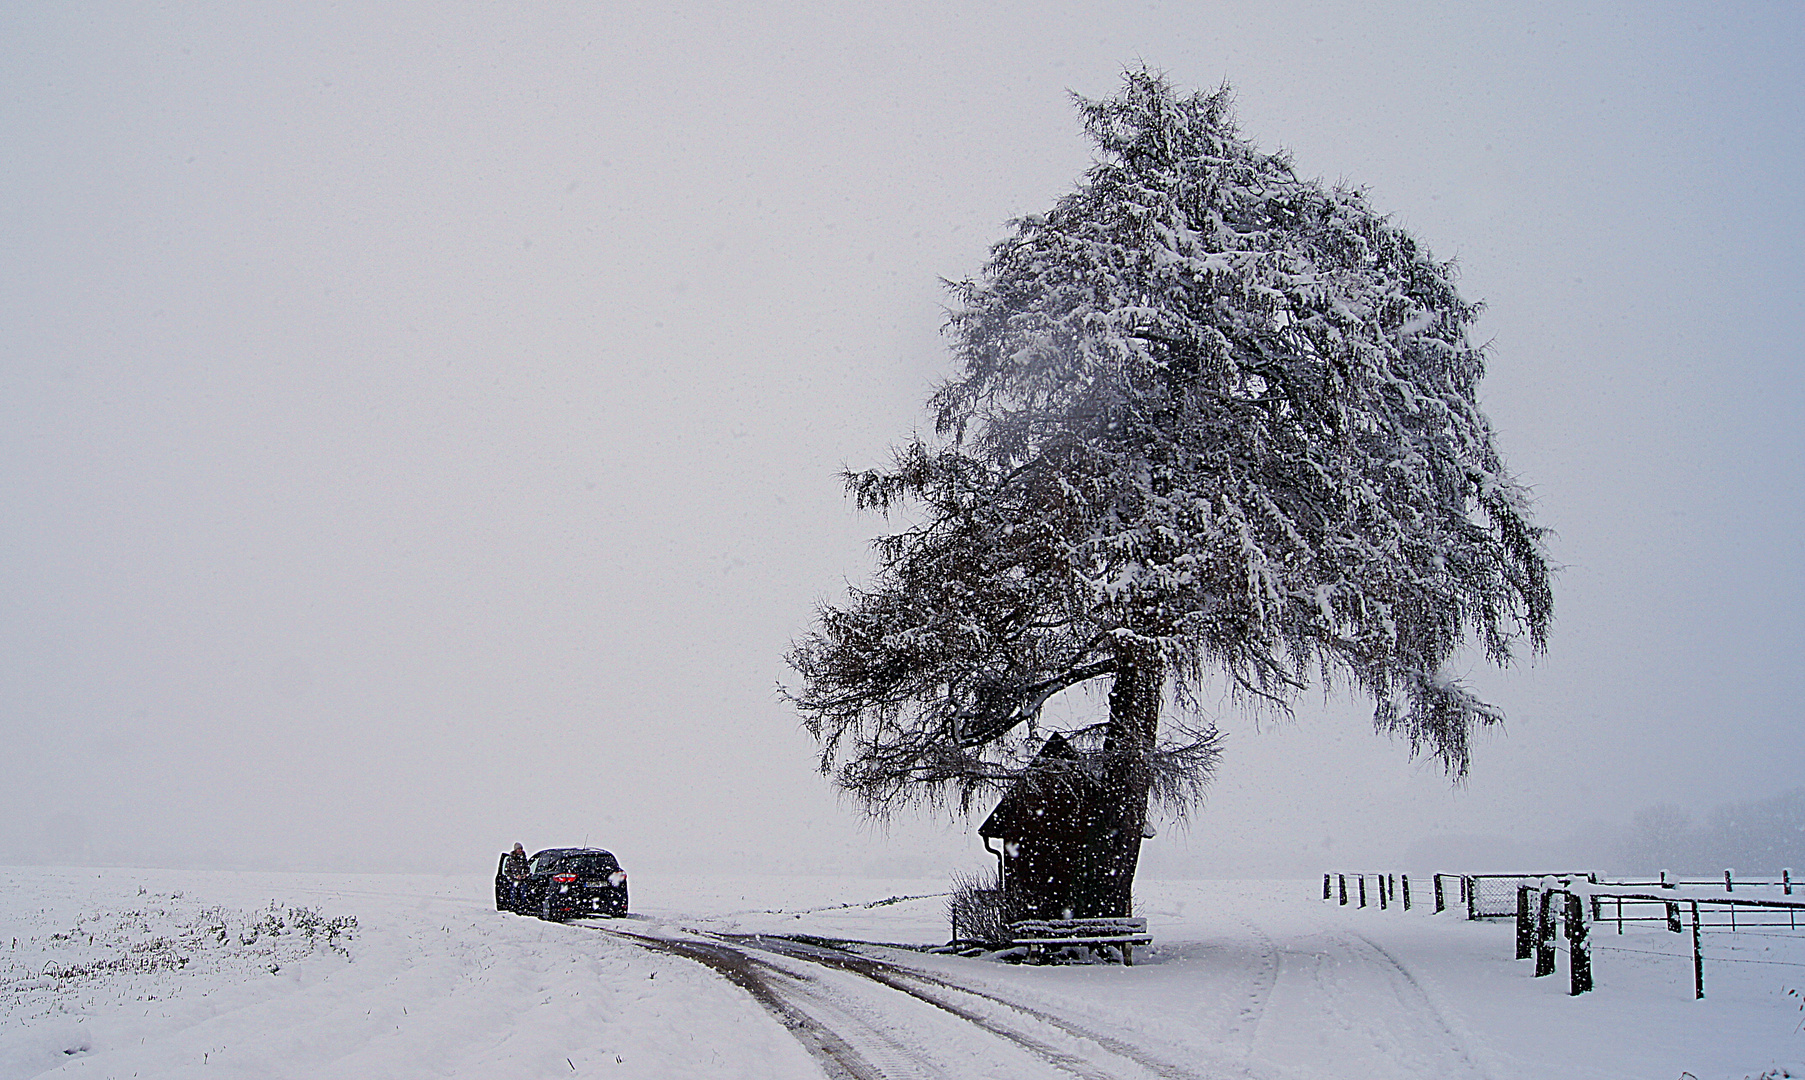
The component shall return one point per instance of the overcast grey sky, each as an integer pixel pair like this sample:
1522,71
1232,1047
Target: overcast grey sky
420,424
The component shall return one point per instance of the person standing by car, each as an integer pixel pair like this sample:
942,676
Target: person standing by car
515,869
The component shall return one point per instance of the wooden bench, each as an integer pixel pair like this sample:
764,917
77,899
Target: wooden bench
1038,934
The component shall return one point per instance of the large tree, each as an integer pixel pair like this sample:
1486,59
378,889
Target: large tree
1213,421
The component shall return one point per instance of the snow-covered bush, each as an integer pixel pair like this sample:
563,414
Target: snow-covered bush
161,935
307,923
980,910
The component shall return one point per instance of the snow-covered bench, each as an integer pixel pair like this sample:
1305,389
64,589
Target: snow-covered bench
1040,934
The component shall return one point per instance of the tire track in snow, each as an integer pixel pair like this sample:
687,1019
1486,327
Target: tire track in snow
930,990
1435,1037
1244,1028
877,1055
1431,1007
897,977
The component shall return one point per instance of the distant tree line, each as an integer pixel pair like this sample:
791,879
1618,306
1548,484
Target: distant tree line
1756,838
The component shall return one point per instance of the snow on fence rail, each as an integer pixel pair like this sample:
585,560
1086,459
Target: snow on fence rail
1659,902
1483,896
1756,913
1577,901
1494,896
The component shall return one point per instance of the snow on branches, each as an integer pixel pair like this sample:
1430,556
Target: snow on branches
1213,419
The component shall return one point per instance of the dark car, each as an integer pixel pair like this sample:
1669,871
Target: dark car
564,882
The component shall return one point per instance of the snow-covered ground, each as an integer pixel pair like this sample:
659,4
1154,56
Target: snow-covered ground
152,973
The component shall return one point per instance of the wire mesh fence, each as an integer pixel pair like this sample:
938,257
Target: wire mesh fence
1494,896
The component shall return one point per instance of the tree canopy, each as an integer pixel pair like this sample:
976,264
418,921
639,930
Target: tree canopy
1212,421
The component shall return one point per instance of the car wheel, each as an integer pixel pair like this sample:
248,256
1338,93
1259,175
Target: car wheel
545,908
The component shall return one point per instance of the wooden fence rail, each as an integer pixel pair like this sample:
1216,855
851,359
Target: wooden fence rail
1550,906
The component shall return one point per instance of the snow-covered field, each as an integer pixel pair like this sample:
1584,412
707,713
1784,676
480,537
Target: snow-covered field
151,973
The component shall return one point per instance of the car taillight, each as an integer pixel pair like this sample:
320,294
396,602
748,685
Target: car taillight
618,878
564,879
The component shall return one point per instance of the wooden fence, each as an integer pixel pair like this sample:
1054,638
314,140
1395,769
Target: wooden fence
1547,907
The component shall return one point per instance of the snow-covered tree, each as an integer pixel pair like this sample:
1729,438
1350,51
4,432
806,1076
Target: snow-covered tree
1214,421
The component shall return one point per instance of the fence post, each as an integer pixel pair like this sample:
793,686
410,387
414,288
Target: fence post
1524,935
1729,885
1786,876
1579,951
1698,959
1325,886
1343,890
1545,935
1362,890
1673,918
1665,884
1467,888
1383,902
1406,892
1441,899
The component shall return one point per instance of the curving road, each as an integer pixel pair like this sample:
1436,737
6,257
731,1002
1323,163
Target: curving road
869,1019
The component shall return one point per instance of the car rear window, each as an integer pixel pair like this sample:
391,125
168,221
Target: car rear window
592,865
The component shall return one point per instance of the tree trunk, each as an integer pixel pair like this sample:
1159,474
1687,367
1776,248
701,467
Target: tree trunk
1134,703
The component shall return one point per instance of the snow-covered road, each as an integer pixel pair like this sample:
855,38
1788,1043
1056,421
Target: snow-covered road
173,974
871,1017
